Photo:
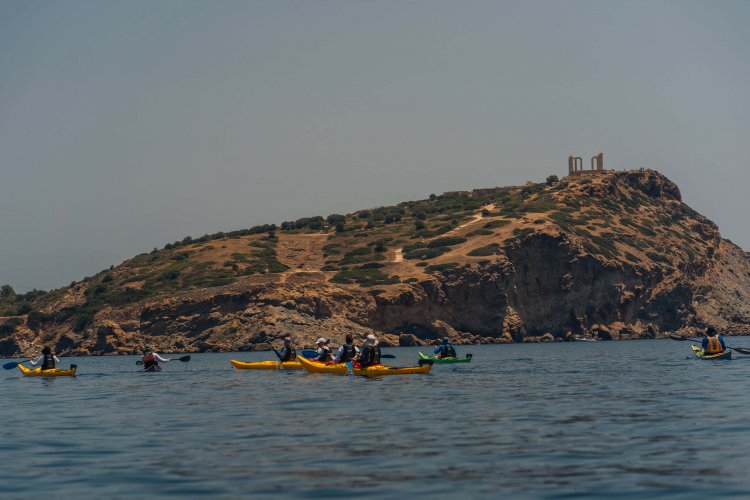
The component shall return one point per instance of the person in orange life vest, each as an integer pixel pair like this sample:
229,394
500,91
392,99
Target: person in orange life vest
369,353
324,352
713,343
47,359
152,359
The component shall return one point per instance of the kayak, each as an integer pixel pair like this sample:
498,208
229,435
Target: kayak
52,372
370,371
152,369
699,354
265,365
467,359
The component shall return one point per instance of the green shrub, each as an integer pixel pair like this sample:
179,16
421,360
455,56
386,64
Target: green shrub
426,253
479,232
371,265
441,267
496,223
172,274
81,322
657,257
491,249
632,258
364,277
446,242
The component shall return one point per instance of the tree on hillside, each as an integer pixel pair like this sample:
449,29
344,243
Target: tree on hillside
7,294
552,179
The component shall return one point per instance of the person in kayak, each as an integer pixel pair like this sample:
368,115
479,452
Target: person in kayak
445,349
152,359
287,352
47,359
712,343
324,352
369,353
346,352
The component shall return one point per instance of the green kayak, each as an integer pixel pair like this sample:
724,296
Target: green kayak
467,359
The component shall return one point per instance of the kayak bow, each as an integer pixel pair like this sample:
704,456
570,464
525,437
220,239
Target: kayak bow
701,355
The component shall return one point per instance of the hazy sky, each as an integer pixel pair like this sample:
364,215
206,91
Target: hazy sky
125,125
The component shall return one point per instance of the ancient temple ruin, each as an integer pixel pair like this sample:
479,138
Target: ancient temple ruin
575,165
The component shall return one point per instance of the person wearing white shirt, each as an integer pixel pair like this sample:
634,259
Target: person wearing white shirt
47,359
151,361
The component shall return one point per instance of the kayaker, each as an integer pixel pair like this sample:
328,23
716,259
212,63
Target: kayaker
287,352
324,352
712,343
369,353
47,359
152,359
346,352
445,349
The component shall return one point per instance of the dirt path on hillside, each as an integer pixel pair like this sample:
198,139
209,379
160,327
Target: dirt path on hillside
477,217
399,254
300,252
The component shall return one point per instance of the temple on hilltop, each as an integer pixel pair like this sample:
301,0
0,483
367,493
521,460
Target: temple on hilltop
575,165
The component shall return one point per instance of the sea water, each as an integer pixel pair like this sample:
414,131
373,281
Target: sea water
559,420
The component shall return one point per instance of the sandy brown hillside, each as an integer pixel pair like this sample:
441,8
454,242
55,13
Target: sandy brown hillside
616,255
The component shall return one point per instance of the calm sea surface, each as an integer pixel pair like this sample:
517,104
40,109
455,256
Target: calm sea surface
638,418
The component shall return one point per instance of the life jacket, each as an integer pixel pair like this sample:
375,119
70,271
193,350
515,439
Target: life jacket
48,362
149,361
325,354
348,353
714,345
370,355
288,354
448,351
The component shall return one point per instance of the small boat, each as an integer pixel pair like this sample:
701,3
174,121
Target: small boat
265,365
699,354
152,369
370,371
51,372
467,359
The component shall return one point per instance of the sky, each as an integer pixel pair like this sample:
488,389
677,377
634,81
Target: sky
128,125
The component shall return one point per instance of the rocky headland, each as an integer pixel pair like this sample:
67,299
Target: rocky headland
611,255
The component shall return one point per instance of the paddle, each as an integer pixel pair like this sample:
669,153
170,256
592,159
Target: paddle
13,364
183,359
738,349
277,353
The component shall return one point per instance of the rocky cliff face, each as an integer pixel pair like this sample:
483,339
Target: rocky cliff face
615,256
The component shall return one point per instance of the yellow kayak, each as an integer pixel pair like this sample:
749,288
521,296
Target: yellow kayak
52,372
265,365
370,371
